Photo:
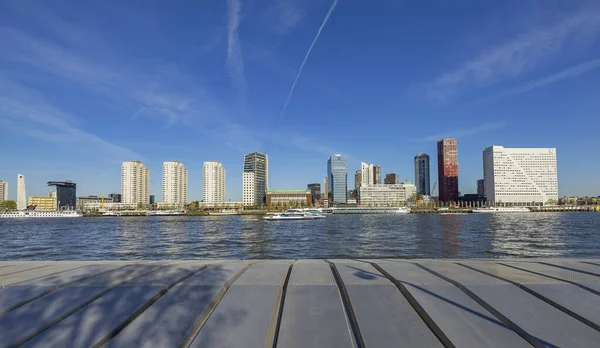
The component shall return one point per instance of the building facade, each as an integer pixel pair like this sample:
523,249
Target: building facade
448,170
44,203
258,164
357,179
337,174
422,174
481,189
21,193
66,194
3,191
296,198
82,201
366,177
376,175
520,176
326,195
248,189
214,182
390,179
135,183
315,192
378,195
174,183
115,197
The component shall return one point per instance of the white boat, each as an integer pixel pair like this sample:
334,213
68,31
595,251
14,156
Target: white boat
502,210
224,212
293,214
370,210
40,214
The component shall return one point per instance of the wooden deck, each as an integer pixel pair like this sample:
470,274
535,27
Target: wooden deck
303,303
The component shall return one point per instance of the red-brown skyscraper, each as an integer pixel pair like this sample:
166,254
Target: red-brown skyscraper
448,170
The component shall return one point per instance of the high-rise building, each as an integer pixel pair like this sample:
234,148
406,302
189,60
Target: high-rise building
366,177
357,179
337,173
448,170
315,192
390,179
21,193
66,194
422,180
481,189
174,183
376,175
214,182
3,191
520,176
135,183
152,199
255,179
326,196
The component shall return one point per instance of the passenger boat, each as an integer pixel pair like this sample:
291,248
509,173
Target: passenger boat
40,214
502,210
294,214
224,212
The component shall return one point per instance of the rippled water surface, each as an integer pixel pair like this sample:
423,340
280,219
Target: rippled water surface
337,236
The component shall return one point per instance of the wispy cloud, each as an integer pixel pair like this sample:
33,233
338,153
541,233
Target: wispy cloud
569,73
289,97
566,74
458,133
287,14
235,58
25,112
523,54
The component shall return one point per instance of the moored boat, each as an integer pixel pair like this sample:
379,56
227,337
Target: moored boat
502,210
293,214
40,214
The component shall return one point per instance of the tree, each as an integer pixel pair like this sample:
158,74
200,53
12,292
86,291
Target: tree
8,205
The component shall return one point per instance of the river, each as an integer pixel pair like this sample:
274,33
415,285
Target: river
337,236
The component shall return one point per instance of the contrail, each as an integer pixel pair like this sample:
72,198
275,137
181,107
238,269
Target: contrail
289,97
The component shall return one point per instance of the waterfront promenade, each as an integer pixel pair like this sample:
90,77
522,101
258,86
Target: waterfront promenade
303,303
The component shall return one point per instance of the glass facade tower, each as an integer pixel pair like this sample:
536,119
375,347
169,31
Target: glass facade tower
337,172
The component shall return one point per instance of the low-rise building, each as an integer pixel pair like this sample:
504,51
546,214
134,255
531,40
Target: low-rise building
288,197
82,201
44,203
382,195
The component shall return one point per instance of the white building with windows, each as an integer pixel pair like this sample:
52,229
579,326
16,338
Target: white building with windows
3,191
248,189
135,183
174,183
382,195
214,182
520,176
367,177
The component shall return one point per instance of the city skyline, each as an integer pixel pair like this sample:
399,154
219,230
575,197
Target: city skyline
77,79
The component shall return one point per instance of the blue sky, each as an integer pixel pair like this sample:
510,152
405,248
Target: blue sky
87,85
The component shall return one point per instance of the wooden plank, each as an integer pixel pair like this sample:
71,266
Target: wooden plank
171,320
313,314
463,321
573,300
384,315
98,321
245,314
547,324
29,320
